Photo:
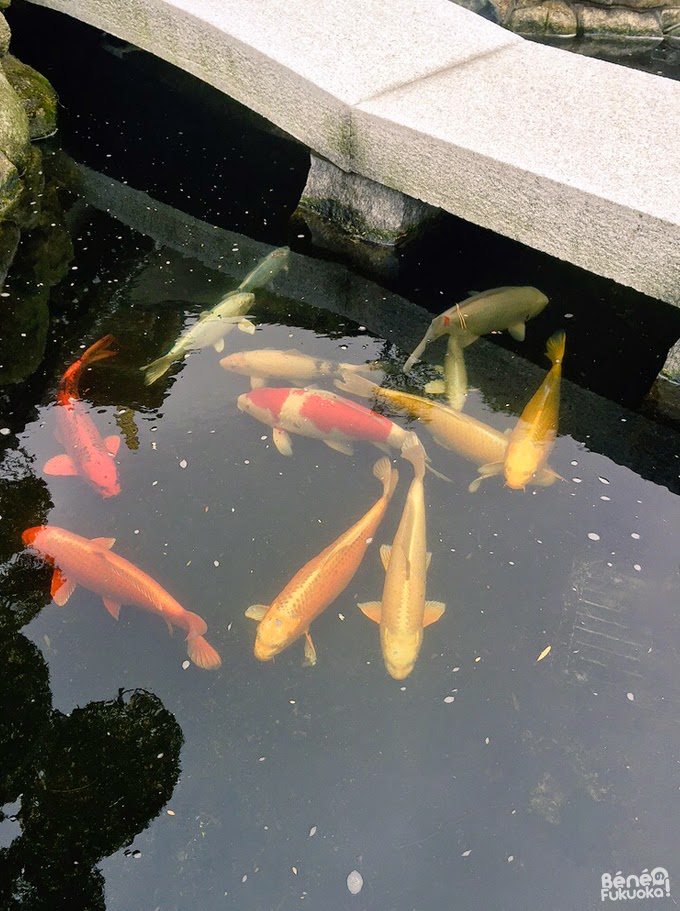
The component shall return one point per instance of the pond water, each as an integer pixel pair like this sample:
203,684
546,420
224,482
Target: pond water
485,779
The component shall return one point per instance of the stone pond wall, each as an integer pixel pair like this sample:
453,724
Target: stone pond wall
645,23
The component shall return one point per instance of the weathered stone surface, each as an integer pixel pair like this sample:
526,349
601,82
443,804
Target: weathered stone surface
554,17
624,23
359,206
14,131
4,4
5,35
671,367
37,96
670,25
10,186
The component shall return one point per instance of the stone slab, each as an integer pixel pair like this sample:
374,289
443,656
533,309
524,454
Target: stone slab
567,154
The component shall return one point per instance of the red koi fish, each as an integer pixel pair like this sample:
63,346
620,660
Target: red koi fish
322,415
90,563
87,454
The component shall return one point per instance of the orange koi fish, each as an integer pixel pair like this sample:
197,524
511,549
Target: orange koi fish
90,563
314,587
534,434
87,454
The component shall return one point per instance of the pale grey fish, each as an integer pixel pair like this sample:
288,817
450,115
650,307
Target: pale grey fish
266,270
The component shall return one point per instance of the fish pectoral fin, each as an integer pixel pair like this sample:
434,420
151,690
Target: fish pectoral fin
256,611
491,469
545,477
282,441
518,331
435,387
371,609
246,326
112,444
219,345
112,607
385,551
428,559
258,382
61,588
433,611
344,448
60,465
310,651
106,543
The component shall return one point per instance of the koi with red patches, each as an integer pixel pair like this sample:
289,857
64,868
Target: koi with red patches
91,564
87,453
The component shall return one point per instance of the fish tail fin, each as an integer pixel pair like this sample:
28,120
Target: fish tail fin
555,347
389,476
98,351
203,654
356,384
414,452
156,369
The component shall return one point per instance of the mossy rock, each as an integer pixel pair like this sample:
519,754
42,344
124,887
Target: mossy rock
5,36
37,96
4,4
14,130
10,187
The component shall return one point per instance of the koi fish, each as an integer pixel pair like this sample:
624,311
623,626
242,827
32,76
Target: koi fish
87,454
90,563
488,311
534,434
291,365
321,415
454,383
266,270
461,433
404,612
209,330
314,587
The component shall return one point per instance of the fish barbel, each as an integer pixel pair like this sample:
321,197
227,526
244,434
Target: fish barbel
314,587
87,454
269,363
209,330
489,311
90,563
266,270
534,434
404,612
474,440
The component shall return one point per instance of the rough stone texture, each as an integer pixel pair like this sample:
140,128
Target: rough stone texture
554,17
671,368
10,186
670,24
37,96
14,131
564,153
5,36
360,207
619,22
4,4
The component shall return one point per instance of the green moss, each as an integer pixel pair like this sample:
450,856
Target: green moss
36,94
349,220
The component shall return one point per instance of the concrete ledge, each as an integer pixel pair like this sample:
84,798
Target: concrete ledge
567,154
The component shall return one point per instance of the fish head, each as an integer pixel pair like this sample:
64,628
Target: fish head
264,404
400,650
274,633
234,362
521,463
38,539
29,536
536,302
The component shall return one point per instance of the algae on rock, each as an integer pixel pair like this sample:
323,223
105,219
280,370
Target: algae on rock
36,94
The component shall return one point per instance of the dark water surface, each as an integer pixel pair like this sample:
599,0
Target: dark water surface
484,780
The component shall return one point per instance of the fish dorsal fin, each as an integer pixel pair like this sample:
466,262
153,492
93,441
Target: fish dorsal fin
385,551
518,331
257,611
428,559
106,543
112,444
61,588
371,609
112,607
433,611
60,465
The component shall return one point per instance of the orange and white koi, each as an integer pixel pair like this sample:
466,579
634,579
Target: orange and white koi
87,454
534,434
404,612
90,563
314,587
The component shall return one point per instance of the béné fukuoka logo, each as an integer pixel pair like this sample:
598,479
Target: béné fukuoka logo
653,883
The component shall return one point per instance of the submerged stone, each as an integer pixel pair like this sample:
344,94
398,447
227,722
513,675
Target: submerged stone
620,23
10,186
554,17
37,96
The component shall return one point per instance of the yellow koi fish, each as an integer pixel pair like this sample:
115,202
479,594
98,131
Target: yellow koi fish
294,366
404,612
534,434
454,383
474,440
314,587
488,311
